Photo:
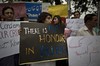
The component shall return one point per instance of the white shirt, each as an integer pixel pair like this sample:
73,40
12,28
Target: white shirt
84,31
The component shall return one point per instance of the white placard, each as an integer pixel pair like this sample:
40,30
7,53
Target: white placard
84,51
74,25
45,7
9,38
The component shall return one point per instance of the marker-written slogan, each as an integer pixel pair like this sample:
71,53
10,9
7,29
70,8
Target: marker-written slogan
84,50
9,38
44,37
45,43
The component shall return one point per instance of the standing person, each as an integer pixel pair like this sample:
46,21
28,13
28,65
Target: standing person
76,15
57,21
90,21
68,31
13,60
46,18
8,13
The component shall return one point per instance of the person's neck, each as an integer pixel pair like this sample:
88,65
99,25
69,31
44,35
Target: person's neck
89,27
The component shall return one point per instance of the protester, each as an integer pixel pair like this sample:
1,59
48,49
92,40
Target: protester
90,21
8,13
76,15
57,21
13,60
46,18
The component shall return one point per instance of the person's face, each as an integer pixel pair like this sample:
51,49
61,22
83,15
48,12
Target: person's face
48,20
56,21
9,15
77,15
94,21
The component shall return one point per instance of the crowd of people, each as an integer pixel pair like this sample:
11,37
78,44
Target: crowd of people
90,21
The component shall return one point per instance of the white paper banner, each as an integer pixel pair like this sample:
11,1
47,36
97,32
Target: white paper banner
84,51
74,25
9,38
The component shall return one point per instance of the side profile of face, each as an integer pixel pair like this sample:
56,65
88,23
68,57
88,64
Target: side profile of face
55,20
48,19
94,21
9,15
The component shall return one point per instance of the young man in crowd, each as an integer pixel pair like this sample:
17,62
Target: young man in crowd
13,60
90,21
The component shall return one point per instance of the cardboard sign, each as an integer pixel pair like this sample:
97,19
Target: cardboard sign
41,43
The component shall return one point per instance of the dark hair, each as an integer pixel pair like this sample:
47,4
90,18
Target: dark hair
59,19
42,17
23,17
88,17
76,12
5,8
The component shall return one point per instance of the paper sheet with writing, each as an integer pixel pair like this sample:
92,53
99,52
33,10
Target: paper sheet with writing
84,51
9,38
74,25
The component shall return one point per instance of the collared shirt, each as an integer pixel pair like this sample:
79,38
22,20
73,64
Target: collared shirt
84,31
